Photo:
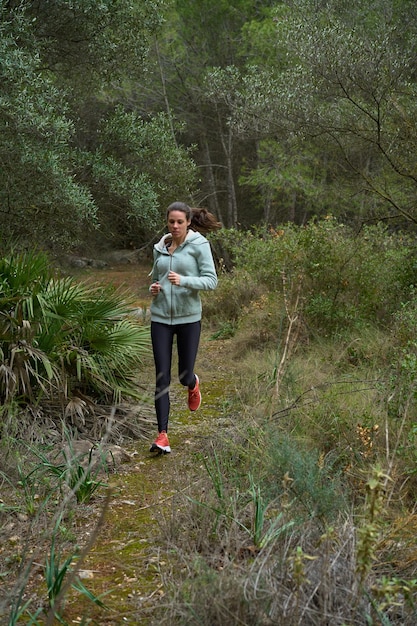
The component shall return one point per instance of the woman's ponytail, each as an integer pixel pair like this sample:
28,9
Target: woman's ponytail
201,220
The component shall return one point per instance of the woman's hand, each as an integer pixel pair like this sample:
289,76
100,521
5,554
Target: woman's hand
174,278
155,288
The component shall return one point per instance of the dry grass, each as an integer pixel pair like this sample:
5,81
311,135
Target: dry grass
296,508
313,453
307,574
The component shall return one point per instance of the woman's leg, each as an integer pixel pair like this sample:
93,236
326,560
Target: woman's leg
162,337
188,339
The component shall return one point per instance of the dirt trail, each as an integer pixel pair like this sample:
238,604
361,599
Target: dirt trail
128,556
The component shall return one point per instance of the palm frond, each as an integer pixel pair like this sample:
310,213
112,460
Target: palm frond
56,333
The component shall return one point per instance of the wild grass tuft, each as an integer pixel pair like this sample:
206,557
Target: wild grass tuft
57,572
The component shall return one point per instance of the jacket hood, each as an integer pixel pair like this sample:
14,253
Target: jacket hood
192,237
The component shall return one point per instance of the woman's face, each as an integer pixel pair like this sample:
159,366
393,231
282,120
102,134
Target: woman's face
178,225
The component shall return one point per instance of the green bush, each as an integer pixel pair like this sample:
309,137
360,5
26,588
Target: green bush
234,292
309,480
345,279
58,336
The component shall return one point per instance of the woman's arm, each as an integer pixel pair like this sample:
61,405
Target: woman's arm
207,278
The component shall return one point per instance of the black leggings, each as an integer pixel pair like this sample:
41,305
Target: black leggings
188,338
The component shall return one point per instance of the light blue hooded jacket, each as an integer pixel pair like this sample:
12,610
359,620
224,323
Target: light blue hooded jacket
193,261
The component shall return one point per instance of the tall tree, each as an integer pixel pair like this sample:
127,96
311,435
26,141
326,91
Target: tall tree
344,93
71,160
37,186
198,36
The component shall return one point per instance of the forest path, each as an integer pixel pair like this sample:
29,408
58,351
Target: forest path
128,561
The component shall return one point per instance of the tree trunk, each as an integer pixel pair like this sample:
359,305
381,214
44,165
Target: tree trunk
212,198
227,145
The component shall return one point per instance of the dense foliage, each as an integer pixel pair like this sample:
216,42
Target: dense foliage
74,164
265,112
346,279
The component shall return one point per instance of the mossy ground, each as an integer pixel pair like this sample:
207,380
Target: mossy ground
127,559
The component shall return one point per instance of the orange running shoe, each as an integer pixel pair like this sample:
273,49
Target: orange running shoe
194,396
161,444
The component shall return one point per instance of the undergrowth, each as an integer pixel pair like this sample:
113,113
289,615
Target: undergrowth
305,510
302,512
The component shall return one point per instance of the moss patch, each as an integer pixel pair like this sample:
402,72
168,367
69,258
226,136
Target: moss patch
128,560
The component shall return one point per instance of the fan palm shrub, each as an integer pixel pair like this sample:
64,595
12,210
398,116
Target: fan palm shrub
59,336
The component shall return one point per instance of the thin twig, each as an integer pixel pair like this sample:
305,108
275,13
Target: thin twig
300,399
292,316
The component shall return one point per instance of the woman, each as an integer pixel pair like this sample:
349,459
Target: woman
183,265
